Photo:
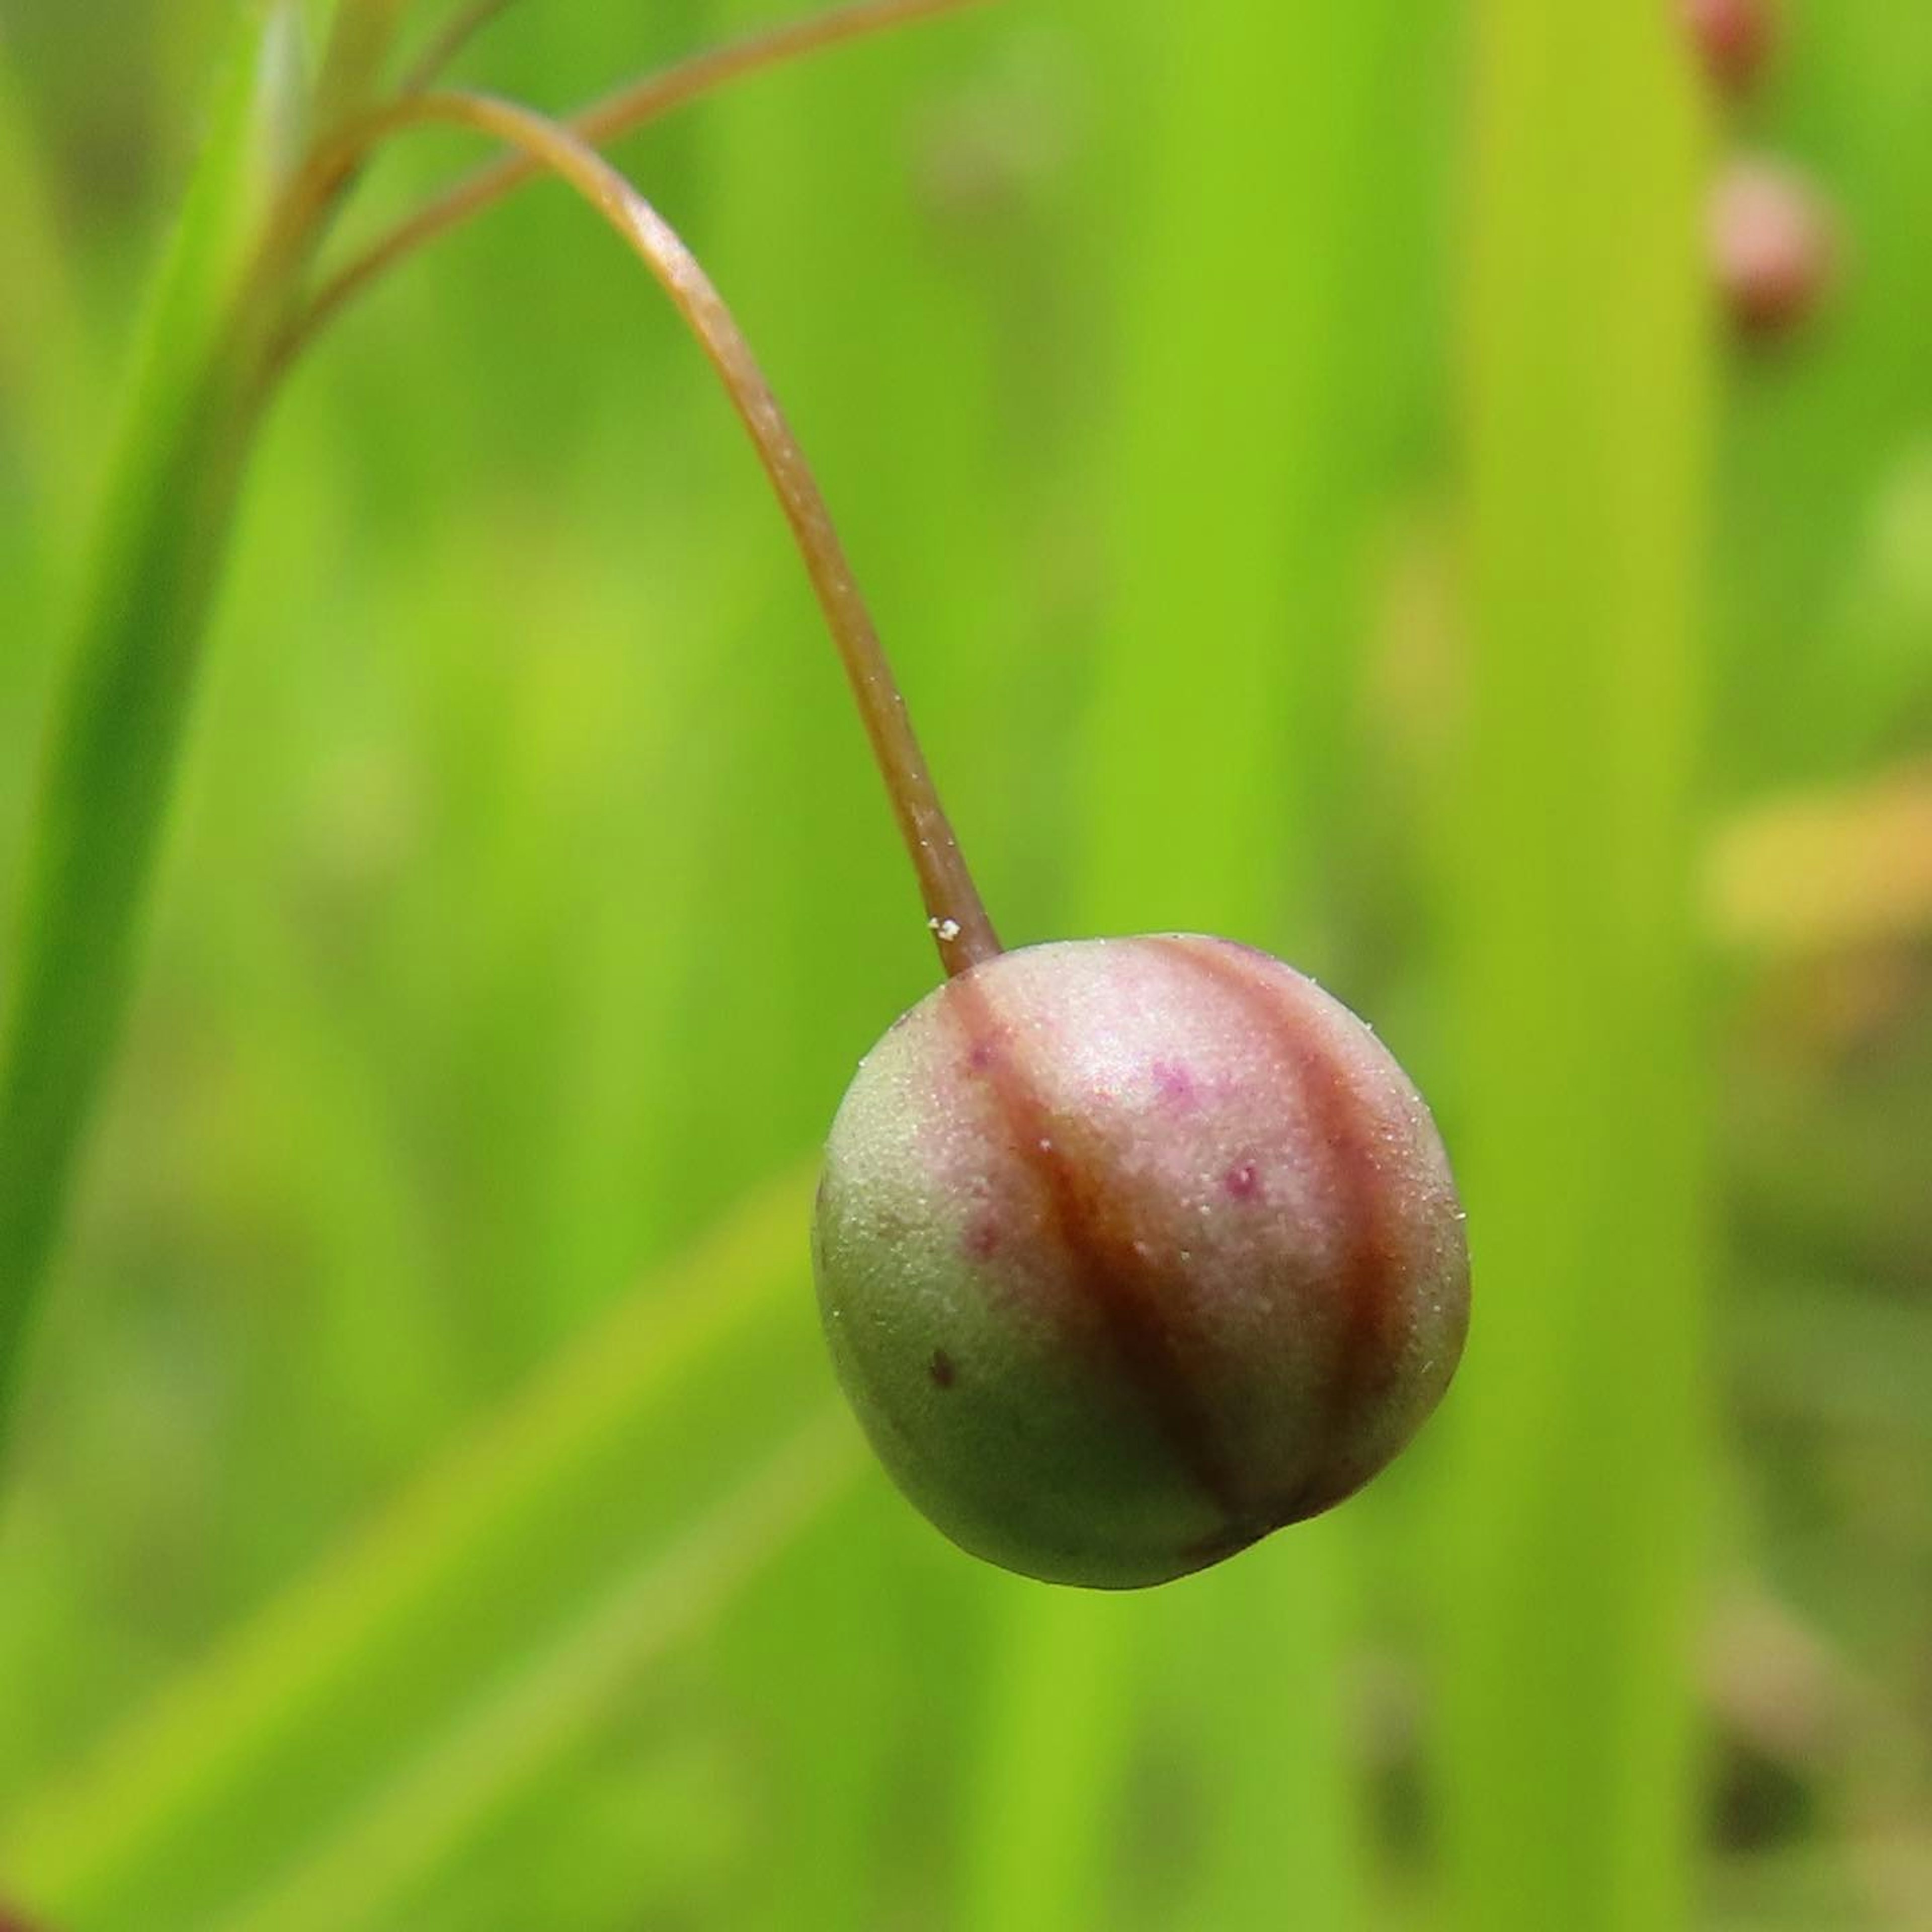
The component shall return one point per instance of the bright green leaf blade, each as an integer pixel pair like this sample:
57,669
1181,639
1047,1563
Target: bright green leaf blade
1058,1730
1566,1777
115,743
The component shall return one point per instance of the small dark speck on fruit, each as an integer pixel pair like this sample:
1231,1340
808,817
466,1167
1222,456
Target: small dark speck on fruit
1175,1082
942,1370
981,1241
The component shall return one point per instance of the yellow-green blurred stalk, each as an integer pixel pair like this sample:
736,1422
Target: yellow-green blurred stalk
1566,1761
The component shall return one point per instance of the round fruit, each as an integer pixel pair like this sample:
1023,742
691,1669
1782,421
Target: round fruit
1132,1251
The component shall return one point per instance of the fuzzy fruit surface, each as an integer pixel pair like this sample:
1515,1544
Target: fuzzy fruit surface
1131,1251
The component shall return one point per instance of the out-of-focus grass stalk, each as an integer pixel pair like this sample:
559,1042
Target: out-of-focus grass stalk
361,1872
360,38
112,750
45,355
1566,1767
248,1768
1056,1735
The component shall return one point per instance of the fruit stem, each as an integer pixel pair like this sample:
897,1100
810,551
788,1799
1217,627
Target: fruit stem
964,934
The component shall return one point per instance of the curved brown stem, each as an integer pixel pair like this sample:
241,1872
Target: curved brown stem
630,106
958,920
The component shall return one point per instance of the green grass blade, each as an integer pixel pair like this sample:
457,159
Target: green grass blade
1566,1773
248,1768
115,739
361,36
46,388
1059,1730
435,1807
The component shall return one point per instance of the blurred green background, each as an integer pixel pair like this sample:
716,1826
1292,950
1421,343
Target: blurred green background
1309,494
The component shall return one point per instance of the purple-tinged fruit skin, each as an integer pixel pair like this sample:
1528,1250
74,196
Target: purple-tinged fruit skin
1132,1251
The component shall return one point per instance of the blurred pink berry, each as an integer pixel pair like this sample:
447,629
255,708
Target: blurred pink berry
1772,246
1734,38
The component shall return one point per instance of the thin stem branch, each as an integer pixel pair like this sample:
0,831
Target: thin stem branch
630,107
958,920
456,35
